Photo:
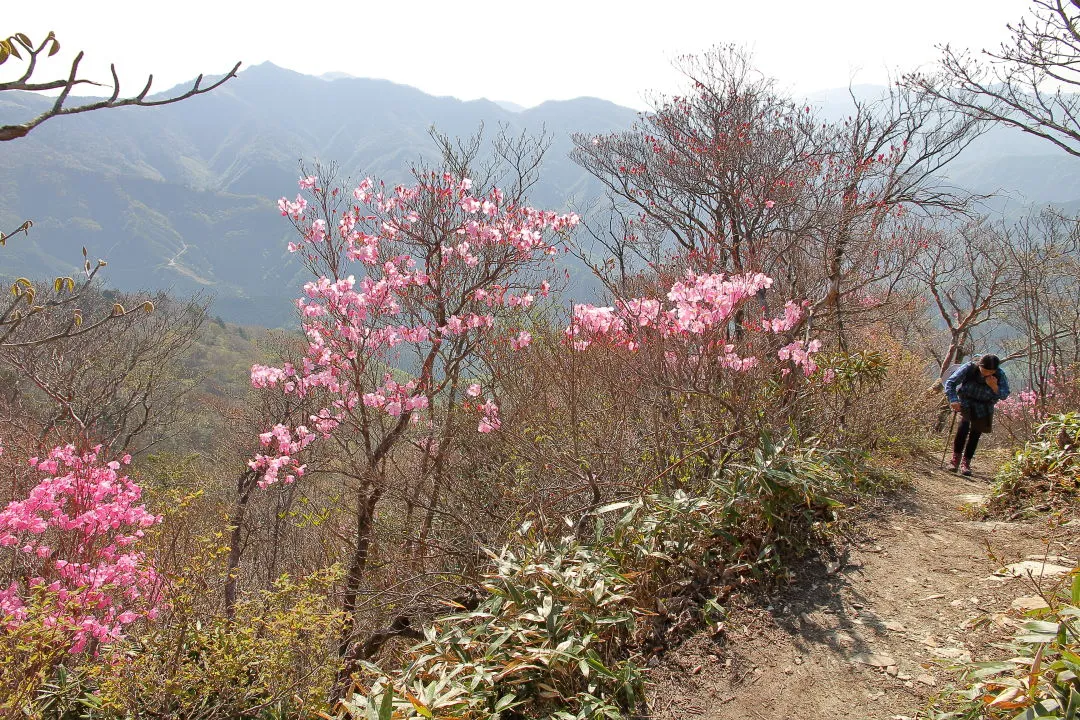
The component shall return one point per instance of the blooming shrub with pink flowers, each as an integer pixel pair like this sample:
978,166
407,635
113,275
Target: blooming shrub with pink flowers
1023,411
79,577
76,537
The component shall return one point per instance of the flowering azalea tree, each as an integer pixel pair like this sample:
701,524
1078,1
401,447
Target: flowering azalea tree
72,542
734,177
697,319
411,287
707,340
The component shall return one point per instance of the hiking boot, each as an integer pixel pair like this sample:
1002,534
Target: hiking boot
965,468
954,465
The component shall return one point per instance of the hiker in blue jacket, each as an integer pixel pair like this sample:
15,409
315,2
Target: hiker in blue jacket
972,391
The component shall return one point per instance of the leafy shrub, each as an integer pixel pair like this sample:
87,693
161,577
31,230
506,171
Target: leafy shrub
549,639
561,626
29,652
1042,677
1045,473
275,655
1023,412
867,398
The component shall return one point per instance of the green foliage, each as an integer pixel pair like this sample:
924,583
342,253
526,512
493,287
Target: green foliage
561,626
549,639
1041,678
865,399
1045,473
275,655
29,653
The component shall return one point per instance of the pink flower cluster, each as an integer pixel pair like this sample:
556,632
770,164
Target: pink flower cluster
1020,405
793,315
801,354
1059,392
285,442
699,304
396,398
489,420
76,532
440,264
702,307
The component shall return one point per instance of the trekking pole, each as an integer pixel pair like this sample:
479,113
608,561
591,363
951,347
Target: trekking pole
945,452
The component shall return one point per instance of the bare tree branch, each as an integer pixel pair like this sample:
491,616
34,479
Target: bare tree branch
9,48
1028,83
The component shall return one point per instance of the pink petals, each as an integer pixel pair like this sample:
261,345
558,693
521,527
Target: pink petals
439,243
77,528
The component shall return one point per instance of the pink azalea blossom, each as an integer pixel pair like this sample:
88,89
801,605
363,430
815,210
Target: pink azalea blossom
81,524
399,254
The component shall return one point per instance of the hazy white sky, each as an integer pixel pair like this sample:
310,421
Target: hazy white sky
524,52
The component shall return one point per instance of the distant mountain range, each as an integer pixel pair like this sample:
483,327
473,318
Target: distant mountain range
184,196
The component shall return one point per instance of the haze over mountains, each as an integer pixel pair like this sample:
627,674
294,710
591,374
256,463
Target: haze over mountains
184,196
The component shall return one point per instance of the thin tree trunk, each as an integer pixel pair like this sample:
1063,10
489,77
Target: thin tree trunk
244,486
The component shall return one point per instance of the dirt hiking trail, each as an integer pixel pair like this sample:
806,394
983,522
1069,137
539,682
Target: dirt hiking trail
870,633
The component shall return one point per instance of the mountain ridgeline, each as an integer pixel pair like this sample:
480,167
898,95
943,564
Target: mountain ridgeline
184,196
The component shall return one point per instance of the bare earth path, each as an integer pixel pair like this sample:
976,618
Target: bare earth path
870,636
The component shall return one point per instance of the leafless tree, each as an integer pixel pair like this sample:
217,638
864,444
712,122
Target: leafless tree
1030,82
119,386
1045,311
969,278
739,179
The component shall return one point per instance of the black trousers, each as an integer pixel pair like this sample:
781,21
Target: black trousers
966,440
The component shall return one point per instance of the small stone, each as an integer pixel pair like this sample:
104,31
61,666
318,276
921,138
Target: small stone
892,670
952,653
957,603
938,596
843,638
695,670
788,670
1034,568
909,684
894,626
798,660
926,680
1030,602
857,606
714,658
873,660
904,676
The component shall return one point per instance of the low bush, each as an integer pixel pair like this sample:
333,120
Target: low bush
1041,678
562,626
1045,474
